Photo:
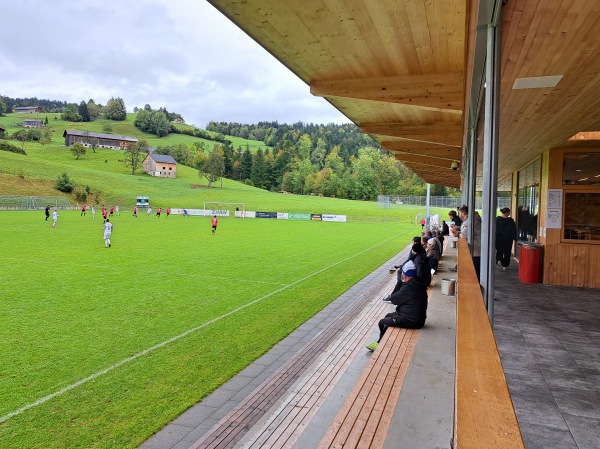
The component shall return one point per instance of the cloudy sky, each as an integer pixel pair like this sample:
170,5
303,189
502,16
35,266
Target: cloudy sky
179,54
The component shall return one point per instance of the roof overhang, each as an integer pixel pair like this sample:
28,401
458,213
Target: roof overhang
410,73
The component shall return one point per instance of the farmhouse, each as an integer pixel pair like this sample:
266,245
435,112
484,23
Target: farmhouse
32,123
160,165
113,141
27,110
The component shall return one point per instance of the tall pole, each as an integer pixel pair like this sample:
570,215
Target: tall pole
427,204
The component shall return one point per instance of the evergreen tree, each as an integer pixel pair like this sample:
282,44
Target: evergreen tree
246,165
259,169
83,112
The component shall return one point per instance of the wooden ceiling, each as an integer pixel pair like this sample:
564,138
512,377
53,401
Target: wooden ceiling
547,38
399,70
395,68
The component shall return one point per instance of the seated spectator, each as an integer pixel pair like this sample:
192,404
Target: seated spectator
419,258
455,219
445,228
440,237
433,252
410,302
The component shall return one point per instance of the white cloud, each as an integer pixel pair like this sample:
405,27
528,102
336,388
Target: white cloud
179,54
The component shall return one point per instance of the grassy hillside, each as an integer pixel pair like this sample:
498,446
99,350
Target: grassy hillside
111,181
125,127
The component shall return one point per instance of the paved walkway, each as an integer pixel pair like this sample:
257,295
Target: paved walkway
549,343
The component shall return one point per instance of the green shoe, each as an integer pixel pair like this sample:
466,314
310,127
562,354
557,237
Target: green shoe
372,346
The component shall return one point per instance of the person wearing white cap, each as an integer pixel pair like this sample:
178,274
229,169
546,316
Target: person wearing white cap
410,302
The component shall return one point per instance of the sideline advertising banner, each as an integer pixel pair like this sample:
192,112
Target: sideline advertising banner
338,218
297,216
266,214
282,216
316,217
200,212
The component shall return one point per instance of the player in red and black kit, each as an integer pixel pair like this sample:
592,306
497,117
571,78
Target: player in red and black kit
214,223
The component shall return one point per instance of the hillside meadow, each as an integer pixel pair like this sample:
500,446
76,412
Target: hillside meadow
125,127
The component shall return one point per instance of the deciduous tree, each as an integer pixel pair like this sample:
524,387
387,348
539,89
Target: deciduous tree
212,167
115,109
78,150
135,153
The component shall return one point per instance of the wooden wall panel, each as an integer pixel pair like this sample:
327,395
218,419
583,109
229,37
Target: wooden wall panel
573,265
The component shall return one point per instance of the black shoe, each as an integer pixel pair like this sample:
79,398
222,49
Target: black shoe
387,299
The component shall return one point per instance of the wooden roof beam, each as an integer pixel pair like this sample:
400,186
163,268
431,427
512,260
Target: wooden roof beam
449,153
447,133
443,164
444,92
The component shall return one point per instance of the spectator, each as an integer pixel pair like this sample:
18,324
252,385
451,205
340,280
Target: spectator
445,228
419,258
506,234
410,302
475,245
433,252
455,219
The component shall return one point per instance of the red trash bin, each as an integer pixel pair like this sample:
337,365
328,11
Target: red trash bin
530,263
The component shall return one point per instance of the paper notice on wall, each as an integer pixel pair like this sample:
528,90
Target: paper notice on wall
555,198
553,218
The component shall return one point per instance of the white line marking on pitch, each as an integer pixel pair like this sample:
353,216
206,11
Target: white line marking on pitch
171,340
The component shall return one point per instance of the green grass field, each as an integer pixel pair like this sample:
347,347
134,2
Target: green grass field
100,348
158,320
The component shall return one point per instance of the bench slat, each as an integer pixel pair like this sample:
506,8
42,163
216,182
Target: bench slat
367,412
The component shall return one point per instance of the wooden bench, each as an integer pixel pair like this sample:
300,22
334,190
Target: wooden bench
484,415
365,417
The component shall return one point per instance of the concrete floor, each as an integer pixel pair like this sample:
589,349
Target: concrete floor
549,343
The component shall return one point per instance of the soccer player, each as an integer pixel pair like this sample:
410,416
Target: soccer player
107,228
168,211
135,211
54,218
158,212
47,212
83,209
149,211
214,223
112,211
93,212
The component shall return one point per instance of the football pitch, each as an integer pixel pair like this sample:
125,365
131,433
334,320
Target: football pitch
103,346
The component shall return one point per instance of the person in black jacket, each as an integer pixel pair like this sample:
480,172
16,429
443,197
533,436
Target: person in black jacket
419,257
506,234
410,302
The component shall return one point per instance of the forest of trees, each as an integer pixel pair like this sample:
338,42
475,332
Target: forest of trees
309,159
46,105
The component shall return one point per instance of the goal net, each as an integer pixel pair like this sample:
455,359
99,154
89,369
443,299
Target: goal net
230,209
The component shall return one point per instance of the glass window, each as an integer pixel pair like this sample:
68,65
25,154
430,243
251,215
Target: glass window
582,216
581,168
528,201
